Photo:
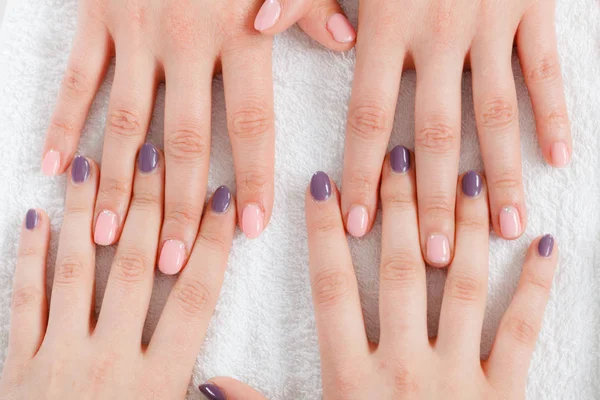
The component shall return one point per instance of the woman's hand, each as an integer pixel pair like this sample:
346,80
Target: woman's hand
67,353
180,42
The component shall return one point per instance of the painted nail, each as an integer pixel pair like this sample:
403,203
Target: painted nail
472,184
147,158
211,392
106,228
510,222
172,257
268,15
51,163
252,221
438,249
340,29
546,245
31,219
560,154
358,221
221,200
80,170
320,186
400,159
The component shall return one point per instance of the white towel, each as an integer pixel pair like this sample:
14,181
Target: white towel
263,330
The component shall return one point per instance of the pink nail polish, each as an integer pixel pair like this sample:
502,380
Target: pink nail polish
358,221
560,154
51,163
172,257
252,221
340,29
107,225
268,15
438,249
510,223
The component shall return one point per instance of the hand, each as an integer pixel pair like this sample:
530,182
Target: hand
181,42
65,354
406,364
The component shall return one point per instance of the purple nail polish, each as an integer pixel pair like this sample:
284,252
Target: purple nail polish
472,184
211,392
320,186
546,245
221,200
80,170
31,219
400,159
147,158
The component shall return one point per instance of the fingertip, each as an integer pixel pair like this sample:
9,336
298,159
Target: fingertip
268,17
51,163
560,156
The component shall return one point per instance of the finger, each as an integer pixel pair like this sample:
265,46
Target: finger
185,318
86,68
463,306
370,120
129,113
536,39
402,291
131,276
249,102
338,313
511,354
496,111
437,148
228,389
73,286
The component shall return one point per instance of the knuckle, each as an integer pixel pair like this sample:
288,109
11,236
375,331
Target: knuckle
26,253
131,266
252,122
135,14
363,182
439,206
436,137
325,225
61,130
181,28
539,283
398,197
464,287
522,329
545,70
507,180
401,269
146,201
26,298
369,121
101,368
213,239
114,188
124,123
558,119
187,144
256,180
183,213
346,384
69,270
405,381
193,296
498,113
76,80
330,286
476,224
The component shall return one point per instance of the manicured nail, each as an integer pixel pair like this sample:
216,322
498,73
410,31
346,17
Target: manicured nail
80,170
51,163
31,219
340,29
510,223
400,159
211,392
221,200
147,158
268,15
438,249
560,154
106,228
252,221
320,186
472,184
546,245
172,257
358,221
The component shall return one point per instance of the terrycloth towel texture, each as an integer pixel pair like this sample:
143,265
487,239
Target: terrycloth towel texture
263,330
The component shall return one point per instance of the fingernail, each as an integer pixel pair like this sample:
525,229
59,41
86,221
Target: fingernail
172,257
560,154
211,392
80,170
510,223
252,221
51,163
320,186
340,29
221,200
400,159
358,221
438,249
472,184
148,158
106,228
267,15
31,219
546,245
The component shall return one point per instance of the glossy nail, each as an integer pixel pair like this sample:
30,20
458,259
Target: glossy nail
268,15
438,249
147,158
560,155
212,392
510,223
472,184
221,200
546,245
31,219
358,221
320,186
252,221
340,28
106,228
400,159
80,170
172,257
51,163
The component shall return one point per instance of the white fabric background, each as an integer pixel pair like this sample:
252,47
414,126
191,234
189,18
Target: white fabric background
263,330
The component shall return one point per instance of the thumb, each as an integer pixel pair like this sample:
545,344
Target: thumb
228,389
323,20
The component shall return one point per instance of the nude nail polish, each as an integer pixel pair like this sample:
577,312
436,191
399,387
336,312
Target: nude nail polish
31,219
340,29
438,249
51,163
212,392
252,221
106,228
358,221
268,15
172,257
546,245
510,222
560,155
